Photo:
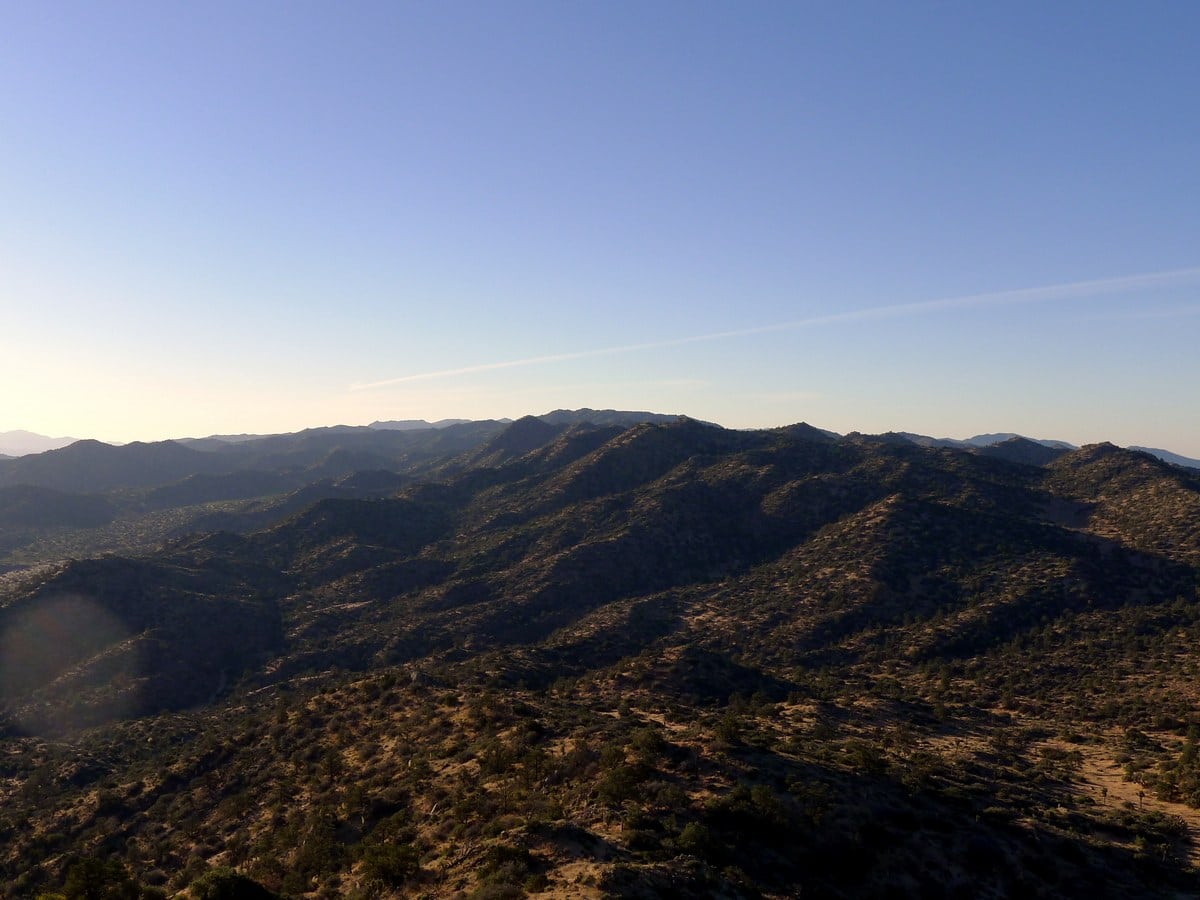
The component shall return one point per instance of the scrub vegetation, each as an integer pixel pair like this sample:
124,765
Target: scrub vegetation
569,659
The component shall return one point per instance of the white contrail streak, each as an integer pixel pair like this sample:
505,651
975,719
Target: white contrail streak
1071,291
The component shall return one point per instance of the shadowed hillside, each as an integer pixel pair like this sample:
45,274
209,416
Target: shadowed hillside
667,660
93,466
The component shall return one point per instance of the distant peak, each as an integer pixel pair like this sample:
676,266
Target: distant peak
802,431
625,418
1167,456
529,425
525,434
1090,453
414,424
25,443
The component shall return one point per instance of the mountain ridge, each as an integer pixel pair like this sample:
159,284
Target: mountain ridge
21,443
561,416
678,659
1168,456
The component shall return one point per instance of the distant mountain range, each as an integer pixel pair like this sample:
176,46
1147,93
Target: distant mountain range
980,440
416,424
1168,456
27,443
21,443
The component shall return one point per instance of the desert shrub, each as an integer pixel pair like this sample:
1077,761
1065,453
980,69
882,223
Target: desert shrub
504,868
320,852
92,878
391,864
620,784
225,884
697,840
750,810
648,745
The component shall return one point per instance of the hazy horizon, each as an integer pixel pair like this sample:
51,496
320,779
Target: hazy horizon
869,217
65,440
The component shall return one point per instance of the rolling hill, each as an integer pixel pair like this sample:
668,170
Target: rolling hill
659,660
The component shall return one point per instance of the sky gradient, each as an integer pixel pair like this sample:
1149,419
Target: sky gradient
932,217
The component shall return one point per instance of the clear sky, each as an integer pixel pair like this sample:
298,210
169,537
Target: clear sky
228,217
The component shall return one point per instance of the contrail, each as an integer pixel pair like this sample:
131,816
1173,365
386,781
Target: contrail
1070,291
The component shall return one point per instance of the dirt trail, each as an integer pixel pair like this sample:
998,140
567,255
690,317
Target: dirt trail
1103,779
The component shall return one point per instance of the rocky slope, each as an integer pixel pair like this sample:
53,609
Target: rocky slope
664,660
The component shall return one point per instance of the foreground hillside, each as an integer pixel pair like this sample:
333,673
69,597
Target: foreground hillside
667,660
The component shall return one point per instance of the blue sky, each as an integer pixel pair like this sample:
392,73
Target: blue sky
266,216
